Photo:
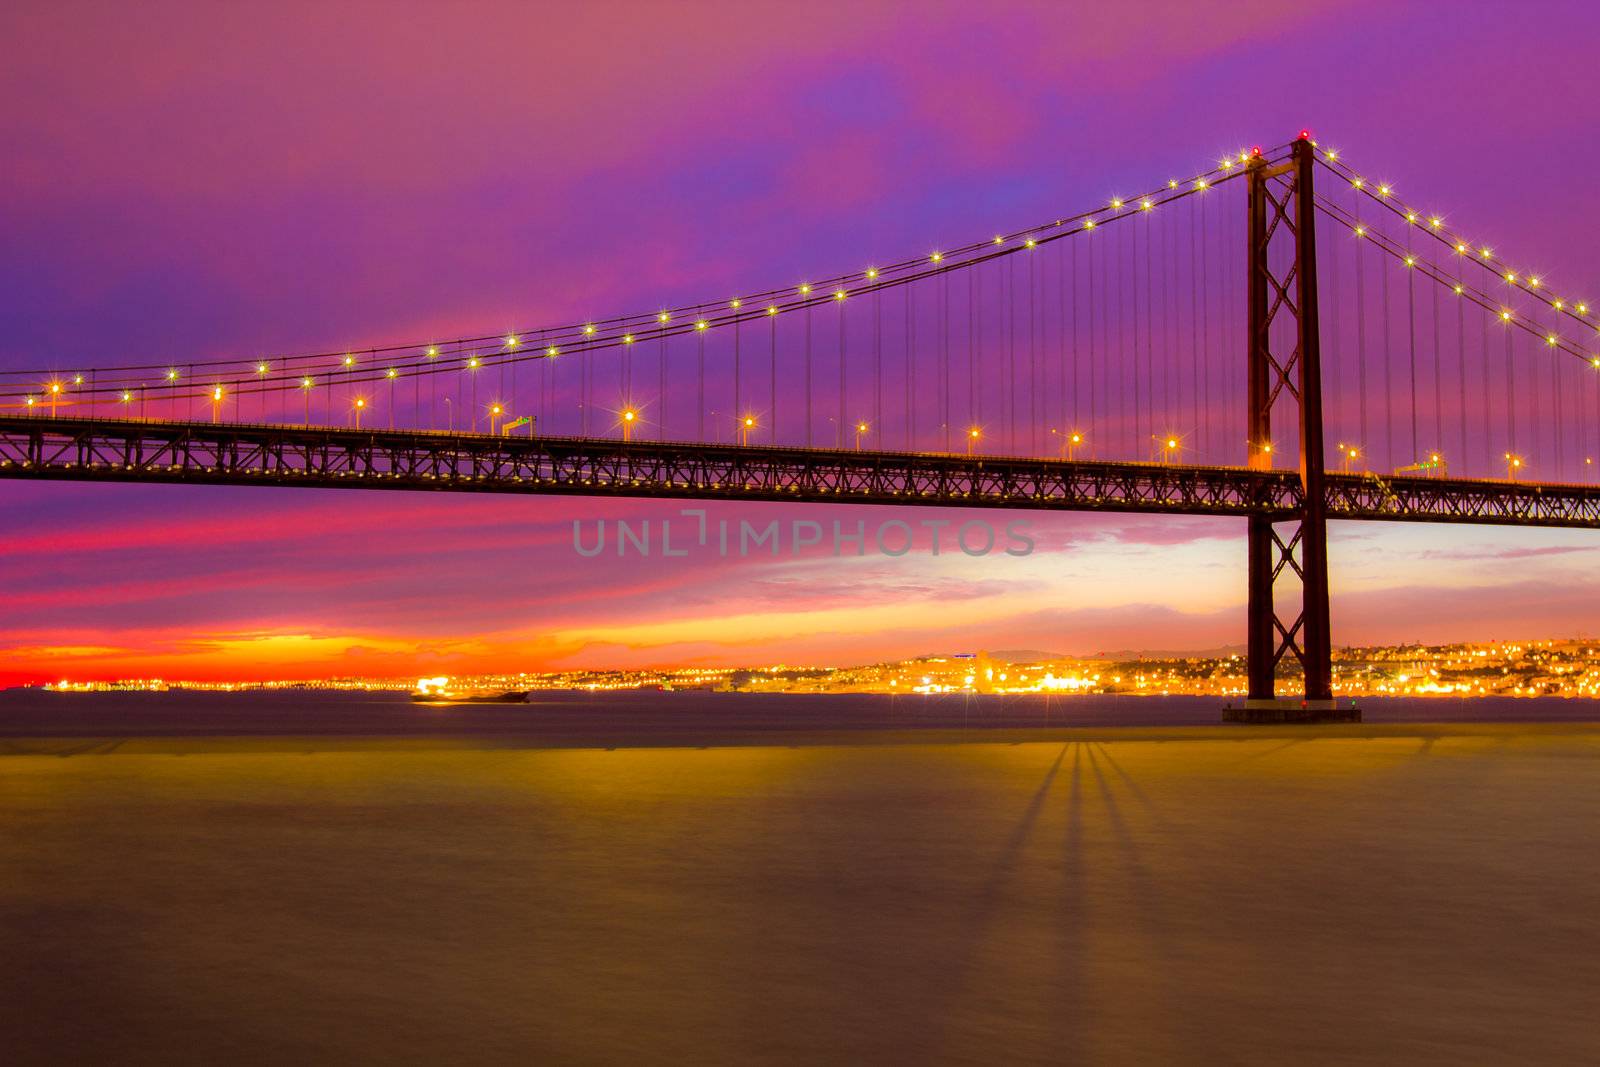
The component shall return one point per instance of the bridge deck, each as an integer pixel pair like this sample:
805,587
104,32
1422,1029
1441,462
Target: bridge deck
132,450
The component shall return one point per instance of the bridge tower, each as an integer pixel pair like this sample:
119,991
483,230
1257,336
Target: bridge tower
1285,365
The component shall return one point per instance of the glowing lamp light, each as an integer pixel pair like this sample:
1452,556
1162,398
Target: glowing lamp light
805,289
1172,183
55,387
432,352
1077,438
495,409
1172,442
1436,222
392,373
999,240
872,272
839,294
627,338
861,427
702,324
1088,224
772,309
261,368
172,375
1031,243
1201,184
512,341
1411,217
629,416
305,383
552,351
472,364
749,422
1411,261
663,317
126,396
1533,283
973,433
1505,316
1383,190
588,330
1116,205
216,394
937,257
349,361
32,400
1305,135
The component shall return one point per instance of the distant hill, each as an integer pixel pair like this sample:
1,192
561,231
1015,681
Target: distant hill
1034,655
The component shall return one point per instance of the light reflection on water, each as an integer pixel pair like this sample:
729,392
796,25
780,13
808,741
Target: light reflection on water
1284,898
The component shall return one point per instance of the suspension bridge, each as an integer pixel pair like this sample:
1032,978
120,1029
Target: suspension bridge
1164,352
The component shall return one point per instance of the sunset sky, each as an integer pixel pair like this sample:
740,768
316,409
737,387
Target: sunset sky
216,180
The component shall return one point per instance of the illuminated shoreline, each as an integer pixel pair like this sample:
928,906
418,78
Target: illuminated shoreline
1555,667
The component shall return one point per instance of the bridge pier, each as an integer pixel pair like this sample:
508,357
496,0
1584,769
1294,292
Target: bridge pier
1286,360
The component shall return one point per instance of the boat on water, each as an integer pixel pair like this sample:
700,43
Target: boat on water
440,691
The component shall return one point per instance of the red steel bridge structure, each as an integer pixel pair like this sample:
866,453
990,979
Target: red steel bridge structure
1162,353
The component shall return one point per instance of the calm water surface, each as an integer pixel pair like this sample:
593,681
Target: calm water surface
186,883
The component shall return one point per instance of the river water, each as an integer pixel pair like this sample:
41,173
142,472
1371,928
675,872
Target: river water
679,878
